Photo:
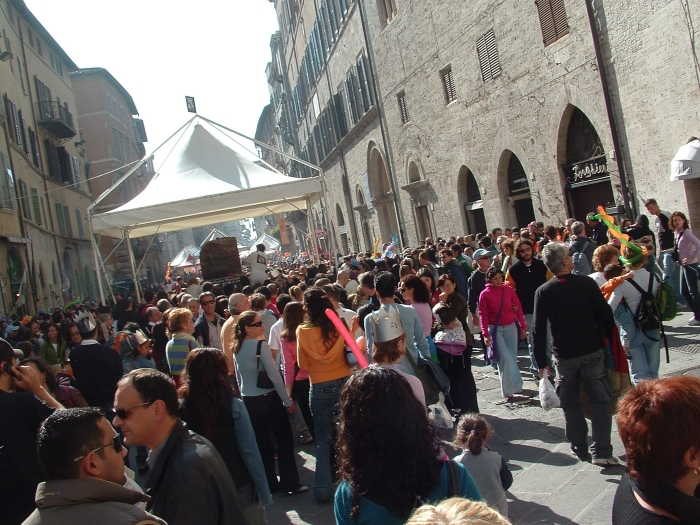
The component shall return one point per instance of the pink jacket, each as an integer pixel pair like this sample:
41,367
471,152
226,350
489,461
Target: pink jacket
289,359
489,303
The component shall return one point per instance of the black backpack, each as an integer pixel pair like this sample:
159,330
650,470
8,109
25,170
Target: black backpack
648,315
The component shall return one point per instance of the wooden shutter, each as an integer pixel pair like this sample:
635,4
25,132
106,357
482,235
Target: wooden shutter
24,199
69,222
483,59
61,222
448,85
9,200
35,205
403,107
492,51
79,221
553,20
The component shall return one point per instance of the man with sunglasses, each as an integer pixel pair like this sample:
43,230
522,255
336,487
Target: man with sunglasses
526,276
84,463
207,327
189,482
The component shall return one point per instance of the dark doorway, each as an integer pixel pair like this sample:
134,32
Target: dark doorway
519,191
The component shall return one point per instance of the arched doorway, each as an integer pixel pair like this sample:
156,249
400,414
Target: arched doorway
342,228
419,190
16,270
518,190
363,211
382,196
585,166
470,202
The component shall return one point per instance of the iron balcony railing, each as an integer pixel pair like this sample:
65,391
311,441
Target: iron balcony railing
55,118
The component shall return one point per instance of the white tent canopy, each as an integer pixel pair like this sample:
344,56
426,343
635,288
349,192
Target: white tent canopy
187,257
271,244
204,180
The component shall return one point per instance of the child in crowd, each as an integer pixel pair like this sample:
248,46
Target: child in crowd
450,340
488,469
614,275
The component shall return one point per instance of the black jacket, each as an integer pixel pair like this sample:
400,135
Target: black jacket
201,328
97,369
190,483
527,280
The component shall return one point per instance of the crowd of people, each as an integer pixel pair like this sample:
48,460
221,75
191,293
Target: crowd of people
212,384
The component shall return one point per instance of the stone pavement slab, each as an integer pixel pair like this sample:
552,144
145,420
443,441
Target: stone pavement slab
550,485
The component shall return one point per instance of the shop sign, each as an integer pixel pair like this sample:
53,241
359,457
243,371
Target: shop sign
593,169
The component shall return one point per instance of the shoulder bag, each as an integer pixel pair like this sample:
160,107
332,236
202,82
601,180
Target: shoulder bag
674,253
492,350
264,380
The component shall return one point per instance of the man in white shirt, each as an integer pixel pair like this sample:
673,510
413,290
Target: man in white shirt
258,265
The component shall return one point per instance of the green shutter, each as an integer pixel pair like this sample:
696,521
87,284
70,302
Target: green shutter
79,221
69,222
61,222
35,205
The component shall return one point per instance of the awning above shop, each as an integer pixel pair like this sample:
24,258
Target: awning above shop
686,164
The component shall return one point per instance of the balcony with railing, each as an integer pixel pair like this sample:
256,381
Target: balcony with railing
55,119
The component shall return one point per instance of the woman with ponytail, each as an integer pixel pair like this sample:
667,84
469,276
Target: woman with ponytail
488,469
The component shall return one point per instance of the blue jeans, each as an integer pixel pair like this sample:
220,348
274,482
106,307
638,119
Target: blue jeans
671,273
507,342
248,446
324,400
590,369
689,287
644,355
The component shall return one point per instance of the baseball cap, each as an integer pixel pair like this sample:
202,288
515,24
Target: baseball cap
478,254
6,352
10,328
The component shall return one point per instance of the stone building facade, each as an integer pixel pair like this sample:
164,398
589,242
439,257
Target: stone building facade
438,117
114,140
45,253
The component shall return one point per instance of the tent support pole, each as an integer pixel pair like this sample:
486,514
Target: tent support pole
98,259
132,262
153,238
312,227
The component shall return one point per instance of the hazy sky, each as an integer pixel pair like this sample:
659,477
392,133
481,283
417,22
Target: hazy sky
160,51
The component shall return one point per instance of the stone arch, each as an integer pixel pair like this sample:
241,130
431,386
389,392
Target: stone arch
470,201
413,174
381,193
514,190
582,165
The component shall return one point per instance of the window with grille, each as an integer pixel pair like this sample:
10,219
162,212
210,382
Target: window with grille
35,206
448,85
488,56
553,20
403,107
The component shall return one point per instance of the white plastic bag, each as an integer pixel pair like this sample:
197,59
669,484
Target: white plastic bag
439,414
548,396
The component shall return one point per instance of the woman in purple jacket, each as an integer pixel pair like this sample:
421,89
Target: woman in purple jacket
687,248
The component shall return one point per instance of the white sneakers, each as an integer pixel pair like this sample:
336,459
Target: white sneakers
693,322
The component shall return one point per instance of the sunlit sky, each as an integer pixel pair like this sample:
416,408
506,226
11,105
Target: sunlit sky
161,51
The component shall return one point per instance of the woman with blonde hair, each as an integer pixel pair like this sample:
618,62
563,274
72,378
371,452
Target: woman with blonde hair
457,511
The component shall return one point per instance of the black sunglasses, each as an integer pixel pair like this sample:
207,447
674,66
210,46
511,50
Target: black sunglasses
116,443
123,413
258,324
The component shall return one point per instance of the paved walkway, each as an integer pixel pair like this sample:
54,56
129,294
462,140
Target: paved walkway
550,485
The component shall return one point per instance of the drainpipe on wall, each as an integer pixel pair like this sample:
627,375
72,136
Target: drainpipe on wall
630,207
380,115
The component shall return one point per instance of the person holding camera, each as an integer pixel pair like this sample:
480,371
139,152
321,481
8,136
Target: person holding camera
21,414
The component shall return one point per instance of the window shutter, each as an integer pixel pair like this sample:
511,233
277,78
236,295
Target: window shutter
403,107
79,221
448,85
24,199
69,223
25,142
61,222
9,200
15,119
561,23
544,11
492,51
35,205
483,59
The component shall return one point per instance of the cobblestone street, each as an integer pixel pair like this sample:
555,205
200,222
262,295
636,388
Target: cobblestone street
550,485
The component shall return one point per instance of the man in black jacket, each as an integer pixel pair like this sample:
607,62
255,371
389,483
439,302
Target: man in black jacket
579,318
526,276
207,327
189,482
